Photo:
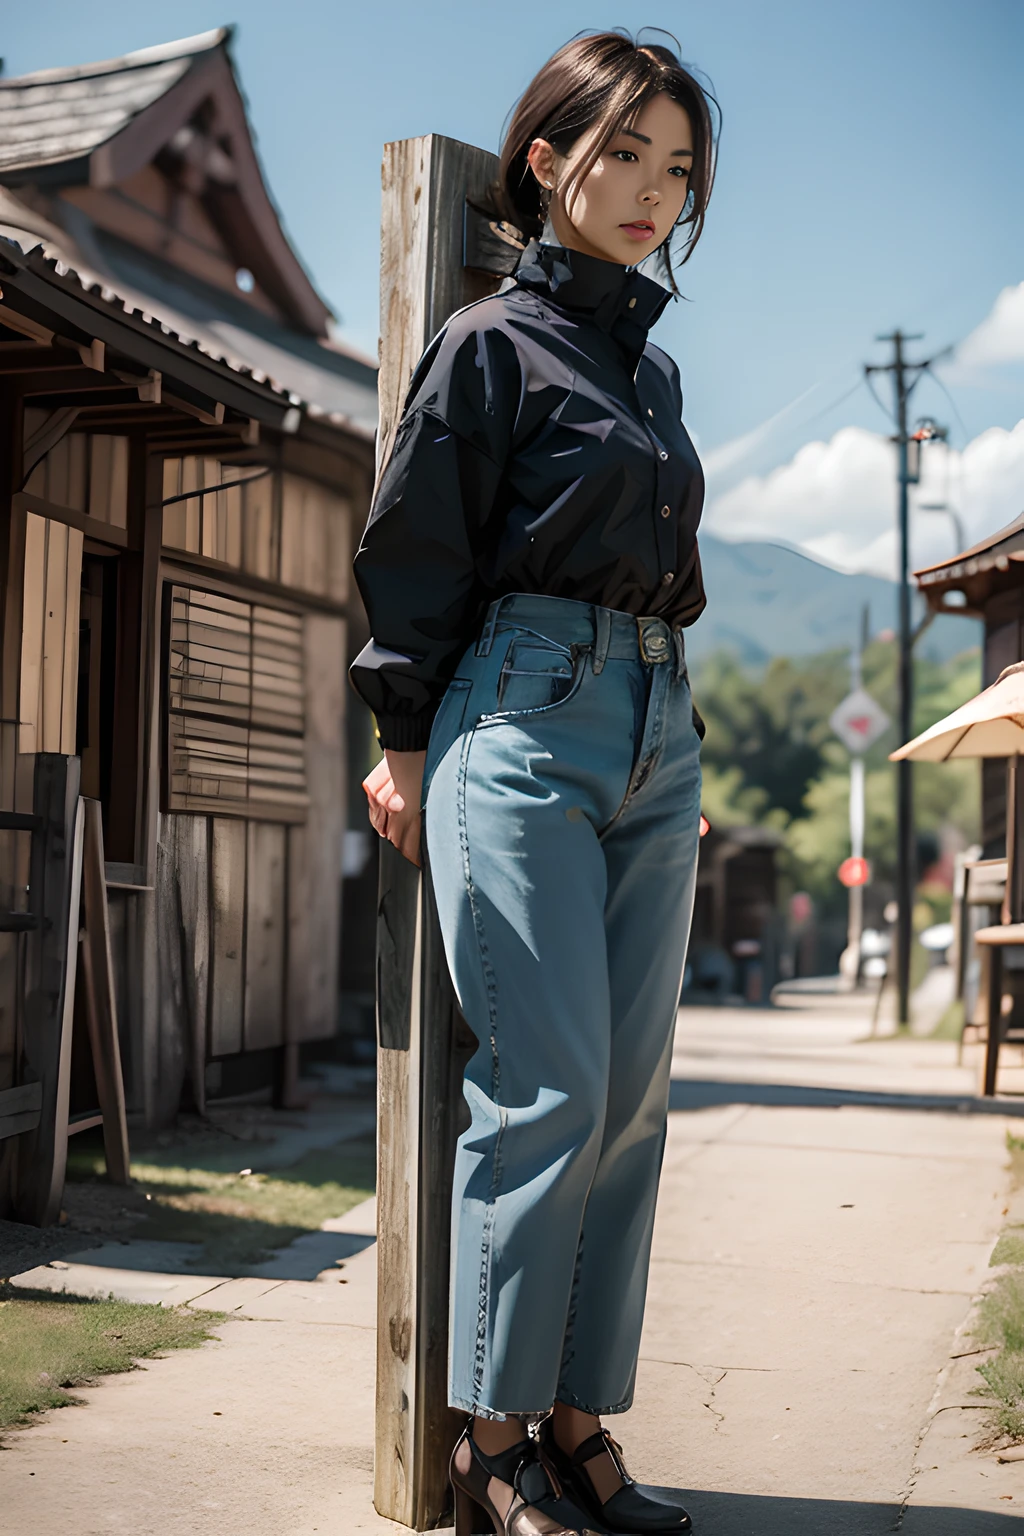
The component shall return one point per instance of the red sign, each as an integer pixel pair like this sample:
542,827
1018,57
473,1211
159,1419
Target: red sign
854,872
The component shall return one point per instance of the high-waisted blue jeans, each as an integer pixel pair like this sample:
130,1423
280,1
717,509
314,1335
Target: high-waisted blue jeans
562,815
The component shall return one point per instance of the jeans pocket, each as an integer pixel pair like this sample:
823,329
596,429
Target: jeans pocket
538,675
447,727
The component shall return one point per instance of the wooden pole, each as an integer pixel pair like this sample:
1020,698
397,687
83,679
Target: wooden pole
427,231
101,1004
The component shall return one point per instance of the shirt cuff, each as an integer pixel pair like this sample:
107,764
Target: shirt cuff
405,733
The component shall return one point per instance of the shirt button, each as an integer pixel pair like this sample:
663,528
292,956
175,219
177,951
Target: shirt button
663,455
668,578
666,511
631,304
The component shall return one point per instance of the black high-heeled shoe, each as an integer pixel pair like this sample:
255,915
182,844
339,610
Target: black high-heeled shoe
538,1507
632,1510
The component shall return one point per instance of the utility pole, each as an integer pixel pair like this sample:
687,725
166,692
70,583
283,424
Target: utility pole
855,922
905,376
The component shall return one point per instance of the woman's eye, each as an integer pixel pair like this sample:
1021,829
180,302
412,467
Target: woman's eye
678,170
624,154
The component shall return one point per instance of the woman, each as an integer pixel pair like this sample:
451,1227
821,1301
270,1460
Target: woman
528,568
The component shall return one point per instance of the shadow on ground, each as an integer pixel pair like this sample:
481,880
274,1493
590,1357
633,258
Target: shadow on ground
751,1514
188,1211
698,1093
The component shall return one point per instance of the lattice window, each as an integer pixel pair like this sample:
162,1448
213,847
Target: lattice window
236,708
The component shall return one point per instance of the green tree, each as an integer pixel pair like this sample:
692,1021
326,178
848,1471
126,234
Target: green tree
771,759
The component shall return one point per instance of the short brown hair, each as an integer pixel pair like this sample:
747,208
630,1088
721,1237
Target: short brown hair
594,87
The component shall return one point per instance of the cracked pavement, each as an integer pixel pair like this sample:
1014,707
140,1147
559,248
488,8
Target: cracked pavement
822,1230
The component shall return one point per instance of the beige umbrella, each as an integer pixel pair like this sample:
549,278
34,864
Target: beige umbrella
989,725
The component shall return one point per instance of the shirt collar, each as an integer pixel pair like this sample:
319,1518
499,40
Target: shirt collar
619,299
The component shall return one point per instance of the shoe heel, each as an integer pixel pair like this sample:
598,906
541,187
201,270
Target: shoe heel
470,1517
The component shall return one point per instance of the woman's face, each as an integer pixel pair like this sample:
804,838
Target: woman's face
630,201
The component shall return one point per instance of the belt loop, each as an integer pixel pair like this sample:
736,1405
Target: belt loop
602,637
677,636
484,644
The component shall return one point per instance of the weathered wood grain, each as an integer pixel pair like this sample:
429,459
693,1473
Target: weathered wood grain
425,185
227,935
191,836
265,934
314,873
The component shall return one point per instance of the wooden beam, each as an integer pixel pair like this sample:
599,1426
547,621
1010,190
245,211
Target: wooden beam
423,1041
94,527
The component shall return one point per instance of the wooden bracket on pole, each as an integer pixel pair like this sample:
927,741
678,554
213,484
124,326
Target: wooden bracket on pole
423,1040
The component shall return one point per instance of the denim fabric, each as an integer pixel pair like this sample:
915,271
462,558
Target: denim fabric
562,813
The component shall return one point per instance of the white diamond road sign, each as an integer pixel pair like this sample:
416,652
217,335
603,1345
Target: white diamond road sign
858,721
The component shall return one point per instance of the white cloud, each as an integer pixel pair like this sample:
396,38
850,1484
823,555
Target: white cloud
724,458
1000,336
837,500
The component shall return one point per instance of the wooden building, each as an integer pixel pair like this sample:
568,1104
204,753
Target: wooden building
186,459
986,582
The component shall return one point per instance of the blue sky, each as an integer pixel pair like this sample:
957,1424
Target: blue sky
869,175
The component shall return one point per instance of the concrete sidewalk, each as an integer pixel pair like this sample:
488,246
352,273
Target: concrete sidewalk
822,1230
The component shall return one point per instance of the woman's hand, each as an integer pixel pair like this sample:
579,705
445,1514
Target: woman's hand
393,789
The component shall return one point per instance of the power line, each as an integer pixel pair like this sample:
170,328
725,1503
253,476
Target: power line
905,377
945,390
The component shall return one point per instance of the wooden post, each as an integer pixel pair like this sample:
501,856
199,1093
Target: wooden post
428,230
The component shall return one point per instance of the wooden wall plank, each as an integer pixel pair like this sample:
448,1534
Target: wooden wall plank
191,841
168,1066
33,612
55,604
314,905
258,536
265,889
69,661
227,935
108,479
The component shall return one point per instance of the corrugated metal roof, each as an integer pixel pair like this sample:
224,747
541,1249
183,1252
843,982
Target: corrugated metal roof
56,115
140,317
992,553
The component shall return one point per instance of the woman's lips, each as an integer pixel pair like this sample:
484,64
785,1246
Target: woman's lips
641,230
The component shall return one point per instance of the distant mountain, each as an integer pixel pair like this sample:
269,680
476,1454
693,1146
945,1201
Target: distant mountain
766,600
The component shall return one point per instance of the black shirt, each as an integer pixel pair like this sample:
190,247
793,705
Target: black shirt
540,450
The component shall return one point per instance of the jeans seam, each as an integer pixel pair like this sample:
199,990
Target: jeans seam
569,1343
491,990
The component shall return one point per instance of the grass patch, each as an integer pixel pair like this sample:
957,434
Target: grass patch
1000,1324
50,1345
1010,1247
239,1219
